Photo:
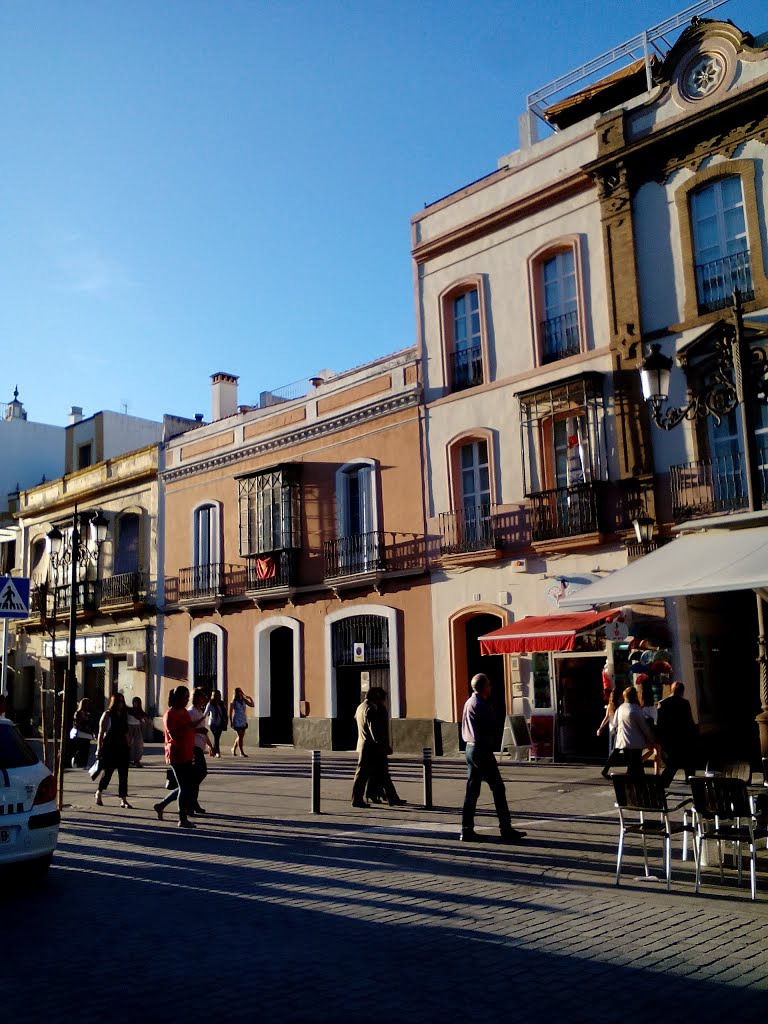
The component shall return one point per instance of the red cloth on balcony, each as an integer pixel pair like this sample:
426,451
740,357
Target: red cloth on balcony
265,568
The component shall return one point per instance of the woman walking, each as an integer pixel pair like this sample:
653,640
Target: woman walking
217,711
82,727
179,754
614,701
198,713
112,748
237,716
137,716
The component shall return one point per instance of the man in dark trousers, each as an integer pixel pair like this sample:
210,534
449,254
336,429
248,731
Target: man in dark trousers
478,729
372,749
676,732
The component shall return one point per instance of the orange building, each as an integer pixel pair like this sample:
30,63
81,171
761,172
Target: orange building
295,563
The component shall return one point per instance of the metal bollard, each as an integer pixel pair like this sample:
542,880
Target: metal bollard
315,781
427,769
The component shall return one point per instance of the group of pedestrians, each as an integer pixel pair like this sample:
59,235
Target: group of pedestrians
636,725
186,738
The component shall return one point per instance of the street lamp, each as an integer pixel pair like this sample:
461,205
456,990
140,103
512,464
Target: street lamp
643,526
738,379
96,525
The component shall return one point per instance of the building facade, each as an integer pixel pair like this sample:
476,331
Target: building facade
295,555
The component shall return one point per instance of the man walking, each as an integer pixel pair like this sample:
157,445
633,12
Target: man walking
372,748
478,729
676,733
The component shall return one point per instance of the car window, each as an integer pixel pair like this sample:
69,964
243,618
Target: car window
15,752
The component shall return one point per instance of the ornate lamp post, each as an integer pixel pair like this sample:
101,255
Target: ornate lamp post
88,526
643,526
739,379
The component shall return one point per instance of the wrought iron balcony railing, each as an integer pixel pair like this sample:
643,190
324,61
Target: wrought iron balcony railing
560,337
709,486
86,597
124,588
355,555
466,367
565,512
716,281
468,529
201,581
271,570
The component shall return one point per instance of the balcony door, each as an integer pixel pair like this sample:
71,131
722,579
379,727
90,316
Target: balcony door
206,549
475,492
726,443
721,249
560,329
355,498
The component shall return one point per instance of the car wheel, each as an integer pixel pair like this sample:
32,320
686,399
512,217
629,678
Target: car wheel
36,870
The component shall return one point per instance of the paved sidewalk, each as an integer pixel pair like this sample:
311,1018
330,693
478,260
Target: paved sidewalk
268,911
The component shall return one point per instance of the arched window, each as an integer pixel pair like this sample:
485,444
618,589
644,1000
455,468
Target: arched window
471,523
206,549
720,243
555,279
465,346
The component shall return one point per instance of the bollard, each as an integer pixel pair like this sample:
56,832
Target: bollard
315,781
427,766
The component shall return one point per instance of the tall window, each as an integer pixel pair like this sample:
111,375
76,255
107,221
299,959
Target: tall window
475,475
205,538
127,554
467,355
721,250
355,500
570,455
205,672
559,329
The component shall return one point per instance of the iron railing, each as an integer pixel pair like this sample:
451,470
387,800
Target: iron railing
560,337
354,555
565,512
271,570
466,366
124,588
716,281
468,529
86,597
714,485
201,580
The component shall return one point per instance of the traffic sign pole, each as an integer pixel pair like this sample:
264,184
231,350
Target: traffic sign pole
4,678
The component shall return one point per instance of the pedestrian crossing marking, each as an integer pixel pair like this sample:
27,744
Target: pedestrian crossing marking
12,603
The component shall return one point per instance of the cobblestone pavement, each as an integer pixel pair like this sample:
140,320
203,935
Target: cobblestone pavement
266,911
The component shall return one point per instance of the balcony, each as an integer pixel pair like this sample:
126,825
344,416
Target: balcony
271,570
469,529
466,368
716,281
208,583
124,589
560,337
713,486
358,555
86,597
565,512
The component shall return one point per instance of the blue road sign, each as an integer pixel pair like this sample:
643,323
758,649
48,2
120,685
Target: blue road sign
14,597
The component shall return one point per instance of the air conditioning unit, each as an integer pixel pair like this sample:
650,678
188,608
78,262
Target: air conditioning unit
137,660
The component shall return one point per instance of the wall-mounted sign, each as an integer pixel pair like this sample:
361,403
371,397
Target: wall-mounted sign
365,681
557,589
83,645
358,652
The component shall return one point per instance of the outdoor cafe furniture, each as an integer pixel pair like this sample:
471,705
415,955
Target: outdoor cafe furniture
643,811
725,812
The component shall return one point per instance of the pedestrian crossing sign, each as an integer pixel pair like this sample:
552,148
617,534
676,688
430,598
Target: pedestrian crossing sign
14,597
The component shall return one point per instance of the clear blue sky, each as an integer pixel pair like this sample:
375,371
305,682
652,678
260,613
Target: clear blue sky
200,185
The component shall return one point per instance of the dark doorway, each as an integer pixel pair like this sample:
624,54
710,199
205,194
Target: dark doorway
281,669
580,707
206,656
492,665
360,646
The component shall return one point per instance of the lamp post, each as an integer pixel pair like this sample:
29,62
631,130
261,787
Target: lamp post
739,380
643,526
95,523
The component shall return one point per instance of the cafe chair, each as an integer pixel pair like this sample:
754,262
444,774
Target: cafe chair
731,770
724,812
638,799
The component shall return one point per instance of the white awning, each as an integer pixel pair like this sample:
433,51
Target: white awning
699,563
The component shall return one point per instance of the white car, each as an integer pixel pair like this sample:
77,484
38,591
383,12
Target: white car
29,816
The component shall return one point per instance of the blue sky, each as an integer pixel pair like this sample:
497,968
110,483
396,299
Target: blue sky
200,185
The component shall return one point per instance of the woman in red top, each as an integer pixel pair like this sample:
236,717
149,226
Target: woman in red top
179,751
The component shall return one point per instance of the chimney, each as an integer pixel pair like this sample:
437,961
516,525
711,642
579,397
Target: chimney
223,395
75,414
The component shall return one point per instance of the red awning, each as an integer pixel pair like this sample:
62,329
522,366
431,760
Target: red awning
543,632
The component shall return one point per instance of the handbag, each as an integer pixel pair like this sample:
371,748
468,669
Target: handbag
96,769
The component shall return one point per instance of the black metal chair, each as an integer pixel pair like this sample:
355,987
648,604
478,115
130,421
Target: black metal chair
724,812
636,797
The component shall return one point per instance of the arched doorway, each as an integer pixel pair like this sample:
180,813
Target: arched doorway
281,670
466,628
360,658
